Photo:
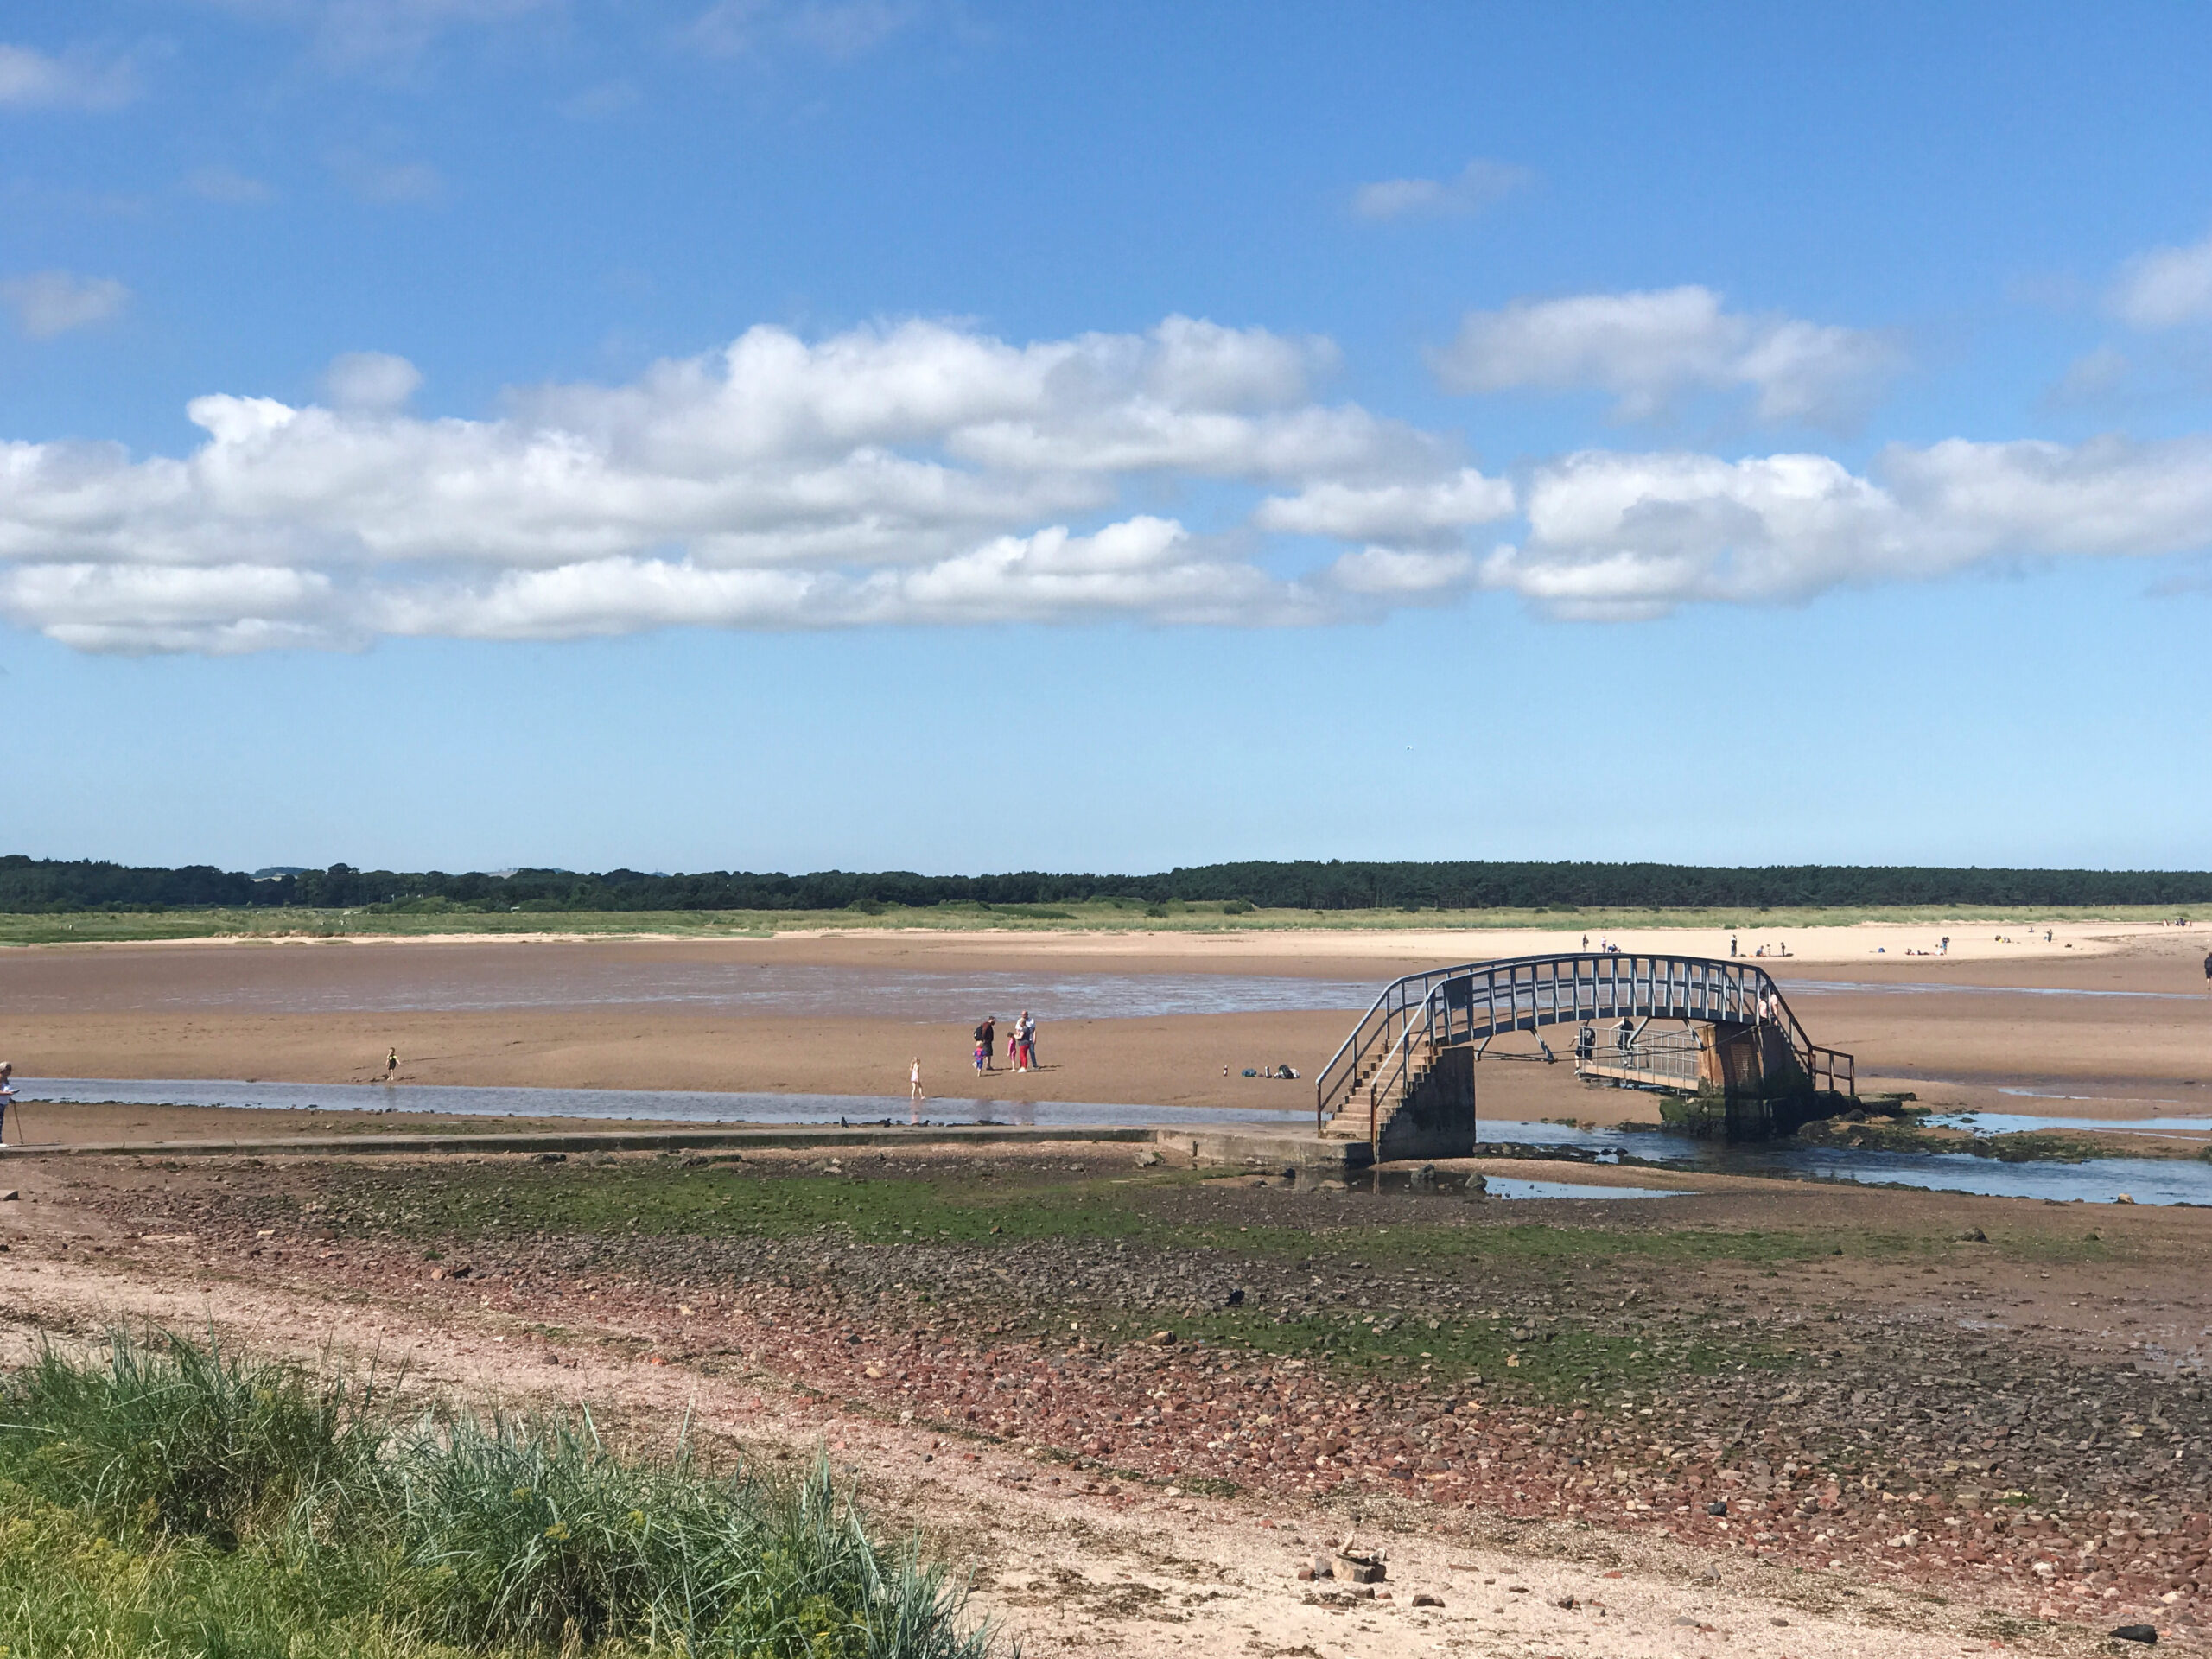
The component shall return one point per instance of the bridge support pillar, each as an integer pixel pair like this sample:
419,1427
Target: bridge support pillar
1749,1085
1438,1119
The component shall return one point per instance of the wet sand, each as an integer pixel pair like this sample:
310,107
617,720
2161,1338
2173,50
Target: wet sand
205,1010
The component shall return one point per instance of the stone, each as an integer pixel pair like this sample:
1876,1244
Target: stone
1165,1339
10,1196
1719,1506
1424,1599
2136,1632
1359,1569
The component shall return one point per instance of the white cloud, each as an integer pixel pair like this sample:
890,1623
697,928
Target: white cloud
1478,185
1648,348
927,475
1617,536
371,381
30,79
919,474
2166,287
1402,512
224,185
50,303
1393,573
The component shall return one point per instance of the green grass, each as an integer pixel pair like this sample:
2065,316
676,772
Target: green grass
177,1501
1127,916
659,1197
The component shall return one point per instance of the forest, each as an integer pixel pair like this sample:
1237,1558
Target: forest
38,886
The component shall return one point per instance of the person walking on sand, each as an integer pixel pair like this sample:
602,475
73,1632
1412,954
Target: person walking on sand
2208,979
7,1094
390,1065
914,1083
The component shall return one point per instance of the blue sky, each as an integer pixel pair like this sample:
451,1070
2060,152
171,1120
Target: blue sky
730,433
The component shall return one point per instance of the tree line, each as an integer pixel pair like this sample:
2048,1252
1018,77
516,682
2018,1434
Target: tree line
29,885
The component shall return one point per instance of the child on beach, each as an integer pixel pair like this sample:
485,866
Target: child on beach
914,1083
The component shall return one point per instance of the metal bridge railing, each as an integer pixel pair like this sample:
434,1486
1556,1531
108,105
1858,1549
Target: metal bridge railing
1475,1001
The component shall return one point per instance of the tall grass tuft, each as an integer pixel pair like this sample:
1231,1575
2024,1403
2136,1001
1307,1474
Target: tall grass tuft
182,1437
176,1499
520,1532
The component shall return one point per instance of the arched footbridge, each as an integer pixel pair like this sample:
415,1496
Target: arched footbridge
1399,1041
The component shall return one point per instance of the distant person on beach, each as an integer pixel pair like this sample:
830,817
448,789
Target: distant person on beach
8,1081
1024,1042
987,1036
2208,975
914,1083
1731,944
390,1065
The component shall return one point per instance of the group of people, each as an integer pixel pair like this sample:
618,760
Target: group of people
1020,1048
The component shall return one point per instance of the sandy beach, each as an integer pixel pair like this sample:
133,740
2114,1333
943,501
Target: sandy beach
2114,1017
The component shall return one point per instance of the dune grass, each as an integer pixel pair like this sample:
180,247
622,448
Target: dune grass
177,1500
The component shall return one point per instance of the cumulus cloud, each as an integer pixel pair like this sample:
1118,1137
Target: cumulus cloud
50,303
2165,288
1477,186
927,475
1648,348
1614,536
919,474
1402,512
30,79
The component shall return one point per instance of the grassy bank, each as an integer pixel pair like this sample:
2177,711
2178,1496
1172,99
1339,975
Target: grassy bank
412,921
175,1501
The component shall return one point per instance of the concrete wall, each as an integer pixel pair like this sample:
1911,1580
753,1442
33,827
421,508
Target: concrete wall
1438,1120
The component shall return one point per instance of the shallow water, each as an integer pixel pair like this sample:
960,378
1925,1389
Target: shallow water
523,979
2100,1180
1500,1186
2024,1122
630,1105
